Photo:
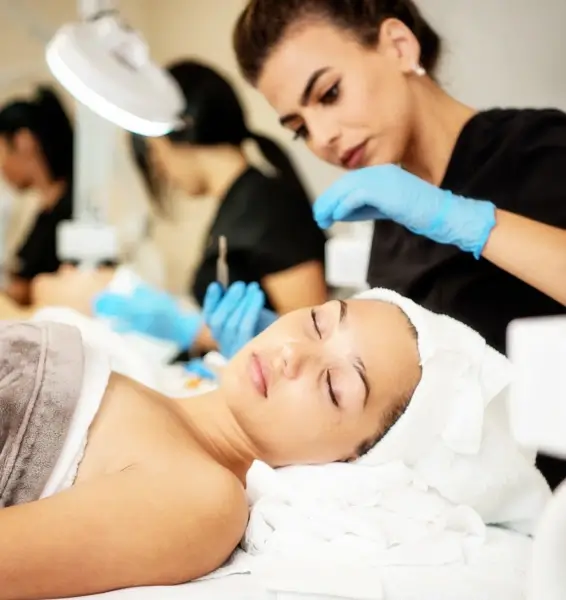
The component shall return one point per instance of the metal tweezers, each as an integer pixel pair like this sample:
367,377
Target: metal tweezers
222,263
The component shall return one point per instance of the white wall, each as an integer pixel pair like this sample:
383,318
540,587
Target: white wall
502,52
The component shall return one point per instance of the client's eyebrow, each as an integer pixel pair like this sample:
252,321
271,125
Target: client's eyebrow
358,362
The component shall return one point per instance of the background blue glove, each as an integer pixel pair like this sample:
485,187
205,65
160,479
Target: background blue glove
196,366
389,192
151,312
237,316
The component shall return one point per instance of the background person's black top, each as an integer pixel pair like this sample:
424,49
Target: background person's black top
517,160
268,228
38,252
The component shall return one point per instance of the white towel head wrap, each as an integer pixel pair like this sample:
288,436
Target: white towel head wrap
455,433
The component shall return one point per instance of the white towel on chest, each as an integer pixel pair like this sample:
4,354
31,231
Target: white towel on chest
424,494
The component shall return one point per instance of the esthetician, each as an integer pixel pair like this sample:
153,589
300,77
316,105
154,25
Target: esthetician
471,221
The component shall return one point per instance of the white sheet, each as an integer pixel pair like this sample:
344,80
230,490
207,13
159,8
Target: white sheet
498,573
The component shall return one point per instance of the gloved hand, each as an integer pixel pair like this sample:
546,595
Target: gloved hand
236,316
389,192
151,312
197,366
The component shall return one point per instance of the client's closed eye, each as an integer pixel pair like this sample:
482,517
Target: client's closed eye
328,378
315,323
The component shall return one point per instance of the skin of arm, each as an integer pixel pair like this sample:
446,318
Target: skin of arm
133,528
531,251
297,287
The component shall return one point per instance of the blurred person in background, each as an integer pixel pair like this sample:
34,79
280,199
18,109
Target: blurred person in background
36,154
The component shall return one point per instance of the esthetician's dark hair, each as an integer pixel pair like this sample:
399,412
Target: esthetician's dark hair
214,116
46,119
264,23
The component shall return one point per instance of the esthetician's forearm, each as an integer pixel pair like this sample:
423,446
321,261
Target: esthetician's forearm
532,251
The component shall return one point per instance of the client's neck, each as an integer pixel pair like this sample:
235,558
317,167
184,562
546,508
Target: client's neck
218,432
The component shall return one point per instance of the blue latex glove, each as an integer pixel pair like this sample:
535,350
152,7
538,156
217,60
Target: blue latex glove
197,367
151,312
389,192
236,316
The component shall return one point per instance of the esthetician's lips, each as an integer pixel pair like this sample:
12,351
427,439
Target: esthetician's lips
257,375
354,157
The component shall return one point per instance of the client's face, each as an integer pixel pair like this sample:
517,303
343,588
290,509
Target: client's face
319,384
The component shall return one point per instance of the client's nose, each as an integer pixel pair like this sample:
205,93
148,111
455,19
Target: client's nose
292,359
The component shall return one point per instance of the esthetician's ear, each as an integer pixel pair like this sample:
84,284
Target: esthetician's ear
398,42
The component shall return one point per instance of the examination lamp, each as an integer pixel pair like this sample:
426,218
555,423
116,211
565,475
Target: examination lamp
106,66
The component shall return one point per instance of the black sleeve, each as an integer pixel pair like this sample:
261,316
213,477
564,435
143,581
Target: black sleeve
540,169
38,253
284,233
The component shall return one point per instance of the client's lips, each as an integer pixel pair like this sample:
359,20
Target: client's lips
257,375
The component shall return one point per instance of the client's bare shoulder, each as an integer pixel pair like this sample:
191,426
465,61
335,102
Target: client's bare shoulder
168,511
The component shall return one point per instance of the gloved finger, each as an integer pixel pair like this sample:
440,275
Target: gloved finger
265,320
198,367
229,303
109,304
230,341
324,208
365,213
214,293
235,320
326,203
122,326
233,338
351,203
249,323
148,298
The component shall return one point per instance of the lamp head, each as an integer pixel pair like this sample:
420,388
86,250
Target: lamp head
106,66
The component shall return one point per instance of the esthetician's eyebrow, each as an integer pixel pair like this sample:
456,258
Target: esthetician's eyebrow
305,96
358,362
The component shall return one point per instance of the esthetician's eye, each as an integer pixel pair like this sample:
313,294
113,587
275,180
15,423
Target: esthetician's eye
301,132
331,95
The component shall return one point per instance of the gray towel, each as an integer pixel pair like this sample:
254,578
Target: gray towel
41,373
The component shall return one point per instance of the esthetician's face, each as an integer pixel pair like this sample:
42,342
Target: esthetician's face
351,104
320,383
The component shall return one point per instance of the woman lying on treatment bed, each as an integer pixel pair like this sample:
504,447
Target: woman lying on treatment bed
157,495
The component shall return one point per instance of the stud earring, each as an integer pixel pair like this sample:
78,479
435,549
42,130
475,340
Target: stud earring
419,71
